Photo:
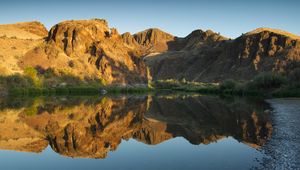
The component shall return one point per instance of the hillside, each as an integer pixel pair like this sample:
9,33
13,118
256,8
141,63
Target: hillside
89,51
15,41
209,57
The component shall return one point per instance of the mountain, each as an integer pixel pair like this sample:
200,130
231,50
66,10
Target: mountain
206,56
89,51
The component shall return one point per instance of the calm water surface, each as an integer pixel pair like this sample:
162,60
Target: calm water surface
170,131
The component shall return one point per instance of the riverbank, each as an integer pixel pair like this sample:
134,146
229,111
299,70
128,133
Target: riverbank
201,89
282,151
268,85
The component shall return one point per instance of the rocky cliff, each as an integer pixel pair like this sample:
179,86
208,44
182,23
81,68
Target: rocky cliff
208,57
90,51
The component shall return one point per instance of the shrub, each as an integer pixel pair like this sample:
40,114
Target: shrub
32,73
294,77
49,73
268,80
228,85
102,82
15,81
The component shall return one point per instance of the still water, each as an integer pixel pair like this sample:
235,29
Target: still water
165,131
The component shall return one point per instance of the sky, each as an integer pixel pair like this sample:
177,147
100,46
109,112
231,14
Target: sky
230,18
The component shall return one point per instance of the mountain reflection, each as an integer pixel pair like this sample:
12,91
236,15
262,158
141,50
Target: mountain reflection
92,127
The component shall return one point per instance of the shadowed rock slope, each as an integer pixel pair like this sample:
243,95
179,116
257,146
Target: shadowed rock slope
208,57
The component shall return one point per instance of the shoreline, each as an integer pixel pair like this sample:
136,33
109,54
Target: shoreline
282,150
94,90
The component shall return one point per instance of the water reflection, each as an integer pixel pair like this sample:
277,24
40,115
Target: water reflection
92,127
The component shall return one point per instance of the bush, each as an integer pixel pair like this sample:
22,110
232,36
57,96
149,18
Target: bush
33,74
268,80
228,85
16,80
294,77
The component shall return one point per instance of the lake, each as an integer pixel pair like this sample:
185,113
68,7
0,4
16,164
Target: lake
153,131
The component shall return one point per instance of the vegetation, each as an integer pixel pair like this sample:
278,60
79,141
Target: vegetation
267,81
33,82
72,90
264,84
52,82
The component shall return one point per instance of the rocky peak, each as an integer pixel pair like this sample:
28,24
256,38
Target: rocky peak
91,46
267,42
129,39
152,36
205,35
154,39
275,31
198,39
77,36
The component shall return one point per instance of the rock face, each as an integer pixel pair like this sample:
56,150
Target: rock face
209,57
88,49
154,40
76,37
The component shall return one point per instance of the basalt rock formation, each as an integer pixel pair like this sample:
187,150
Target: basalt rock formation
88,49
206,56
91,51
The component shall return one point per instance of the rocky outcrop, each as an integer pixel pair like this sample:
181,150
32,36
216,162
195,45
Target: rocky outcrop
88,49
149,41
209,57
129,40
76,37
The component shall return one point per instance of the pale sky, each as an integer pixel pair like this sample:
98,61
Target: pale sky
229,17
